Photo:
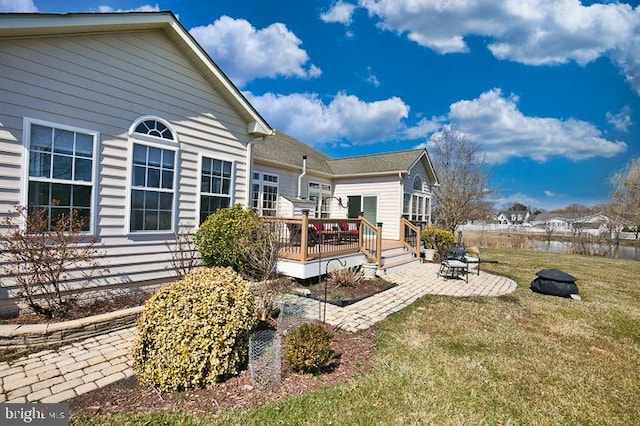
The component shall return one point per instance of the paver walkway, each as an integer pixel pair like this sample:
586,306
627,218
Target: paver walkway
55,376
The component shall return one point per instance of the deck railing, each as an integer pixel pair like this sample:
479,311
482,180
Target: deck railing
305,238
371,240
410,236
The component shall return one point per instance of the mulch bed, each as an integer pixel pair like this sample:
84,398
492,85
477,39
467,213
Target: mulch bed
82,311
355,356
343,295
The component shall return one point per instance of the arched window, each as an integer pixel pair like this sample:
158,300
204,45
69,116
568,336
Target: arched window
153,162
417,183
153,127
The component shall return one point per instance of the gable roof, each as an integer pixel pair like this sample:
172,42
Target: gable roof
14,25
283,150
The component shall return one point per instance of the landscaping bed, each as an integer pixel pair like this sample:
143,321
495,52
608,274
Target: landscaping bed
346,295
82,311
354,357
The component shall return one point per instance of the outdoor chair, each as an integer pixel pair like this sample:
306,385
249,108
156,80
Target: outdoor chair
349,232
453,264
472,257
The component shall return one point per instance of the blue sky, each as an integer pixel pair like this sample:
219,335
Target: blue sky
548,89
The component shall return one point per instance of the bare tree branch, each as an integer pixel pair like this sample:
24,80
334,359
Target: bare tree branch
463,182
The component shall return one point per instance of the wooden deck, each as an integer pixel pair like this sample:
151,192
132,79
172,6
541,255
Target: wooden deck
308,244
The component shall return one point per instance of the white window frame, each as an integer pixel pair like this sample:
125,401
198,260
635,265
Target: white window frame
261,182
419,201
324,191
26,144
232,189
160,143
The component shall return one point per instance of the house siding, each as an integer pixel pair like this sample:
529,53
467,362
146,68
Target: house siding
388,191
103,83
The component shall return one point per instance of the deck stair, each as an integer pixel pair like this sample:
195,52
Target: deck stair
395,259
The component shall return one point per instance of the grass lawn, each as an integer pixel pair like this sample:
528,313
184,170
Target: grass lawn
519,359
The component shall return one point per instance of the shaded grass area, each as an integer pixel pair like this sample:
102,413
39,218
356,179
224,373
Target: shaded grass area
522,358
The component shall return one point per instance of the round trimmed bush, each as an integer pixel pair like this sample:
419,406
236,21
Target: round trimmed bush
227,237
308,348
195,332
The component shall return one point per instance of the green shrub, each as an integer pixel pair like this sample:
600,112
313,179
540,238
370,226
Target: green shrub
437,238
195,332
227,238
308,348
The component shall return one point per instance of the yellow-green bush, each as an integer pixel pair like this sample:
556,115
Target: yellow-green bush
308,348
195,332
437,238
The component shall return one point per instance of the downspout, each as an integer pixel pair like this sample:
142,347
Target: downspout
247,197
304,172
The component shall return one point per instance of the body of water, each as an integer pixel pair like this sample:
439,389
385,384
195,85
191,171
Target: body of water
623,252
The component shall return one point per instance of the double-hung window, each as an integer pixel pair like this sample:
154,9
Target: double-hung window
415,204
153,175
216,177
61,165
264,194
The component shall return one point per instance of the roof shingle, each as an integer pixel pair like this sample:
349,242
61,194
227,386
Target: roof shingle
282,148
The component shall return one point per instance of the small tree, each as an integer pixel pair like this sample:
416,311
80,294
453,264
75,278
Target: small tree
548,230
625,198
42,257
183,252
463,183
263,266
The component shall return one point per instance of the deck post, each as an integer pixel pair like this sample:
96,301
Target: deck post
304,236
379,245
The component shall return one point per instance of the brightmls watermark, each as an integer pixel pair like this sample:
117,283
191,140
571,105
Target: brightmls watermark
34,414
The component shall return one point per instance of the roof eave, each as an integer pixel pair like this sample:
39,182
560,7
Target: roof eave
370,174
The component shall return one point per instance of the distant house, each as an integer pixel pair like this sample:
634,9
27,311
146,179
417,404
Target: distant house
551,221
513,217
127,122
594,224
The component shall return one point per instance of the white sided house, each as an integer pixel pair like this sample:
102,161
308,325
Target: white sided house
392,192
126,121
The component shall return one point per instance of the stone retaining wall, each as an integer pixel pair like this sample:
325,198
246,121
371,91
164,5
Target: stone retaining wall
20,336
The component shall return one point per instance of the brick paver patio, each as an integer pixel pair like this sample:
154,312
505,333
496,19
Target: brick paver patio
55,376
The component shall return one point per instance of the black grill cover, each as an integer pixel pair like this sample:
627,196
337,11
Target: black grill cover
555,283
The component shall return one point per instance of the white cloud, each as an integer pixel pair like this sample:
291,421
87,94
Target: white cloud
143,8
345,118
550,194
17,6
535,32
502,131
246,53
339,12
621,120
372,79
